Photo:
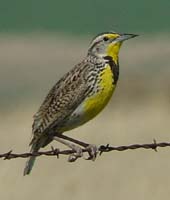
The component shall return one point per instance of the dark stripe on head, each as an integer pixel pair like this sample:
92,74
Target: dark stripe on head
109,32
94,43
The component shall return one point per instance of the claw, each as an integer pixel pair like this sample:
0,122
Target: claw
78,154
92,151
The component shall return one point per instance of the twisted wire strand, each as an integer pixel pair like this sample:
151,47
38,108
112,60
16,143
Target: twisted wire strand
101,149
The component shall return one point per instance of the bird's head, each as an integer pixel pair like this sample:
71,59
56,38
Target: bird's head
108,44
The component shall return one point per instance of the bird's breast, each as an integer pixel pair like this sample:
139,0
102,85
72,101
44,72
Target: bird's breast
94,102
99,99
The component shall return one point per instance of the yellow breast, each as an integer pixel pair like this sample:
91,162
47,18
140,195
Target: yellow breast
92,105
95,103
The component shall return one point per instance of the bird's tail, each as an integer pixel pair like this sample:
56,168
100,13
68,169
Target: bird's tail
30,162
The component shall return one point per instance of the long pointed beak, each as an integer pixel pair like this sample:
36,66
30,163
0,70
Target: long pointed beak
125,36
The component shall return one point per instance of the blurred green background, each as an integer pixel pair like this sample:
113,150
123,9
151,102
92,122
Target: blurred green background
42,40
84,17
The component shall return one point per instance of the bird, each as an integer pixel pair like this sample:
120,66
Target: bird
78,97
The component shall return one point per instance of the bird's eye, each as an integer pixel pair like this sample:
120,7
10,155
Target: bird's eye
105,38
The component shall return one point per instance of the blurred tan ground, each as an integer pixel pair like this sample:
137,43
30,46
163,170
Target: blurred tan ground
138,113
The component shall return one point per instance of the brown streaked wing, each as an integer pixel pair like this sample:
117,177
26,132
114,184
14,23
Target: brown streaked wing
62,100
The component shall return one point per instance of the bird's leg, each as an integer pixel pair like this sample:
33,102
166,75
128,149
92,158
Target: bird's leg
83,144
91,148
78,151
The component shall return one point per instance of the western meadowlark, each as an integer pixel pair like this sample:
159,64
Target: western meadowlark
78,96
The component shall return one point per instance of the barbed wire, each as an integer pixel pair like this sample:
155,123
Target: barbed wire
101,149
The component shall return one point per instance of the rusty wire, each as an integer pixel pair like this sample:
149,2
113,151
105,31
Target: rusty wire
101,149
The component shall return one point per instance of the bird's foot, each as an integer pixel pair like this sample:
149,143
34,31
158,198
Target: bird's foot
78,153
92,151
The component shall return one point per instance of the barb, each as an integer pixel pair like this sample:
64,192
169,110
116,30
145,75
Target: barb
102,149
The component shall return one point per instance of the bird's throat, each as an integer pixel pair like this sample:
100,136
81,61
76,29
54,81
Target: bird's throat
113,51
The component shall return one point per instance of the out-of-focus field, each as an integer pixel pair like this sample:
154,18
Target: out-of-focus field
138,113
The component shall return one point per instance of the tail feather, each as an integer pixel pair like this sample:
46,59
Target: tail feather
30,162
